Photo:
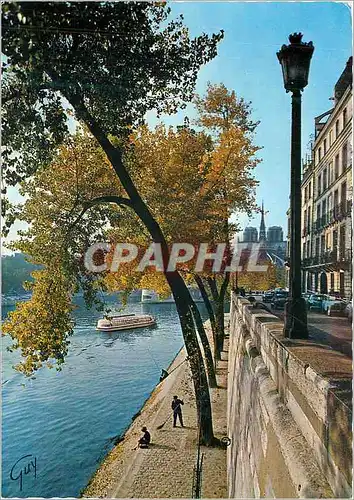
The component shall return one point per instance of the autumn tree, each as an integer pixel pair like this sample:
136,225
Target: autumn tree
262,280
232,160
175,169
109,63
209,172
81,173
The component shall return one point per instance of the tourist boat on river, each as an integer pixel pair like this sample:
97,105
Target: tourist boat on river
125,322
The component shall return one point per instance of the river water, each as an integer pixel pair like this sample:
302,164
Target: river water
65,421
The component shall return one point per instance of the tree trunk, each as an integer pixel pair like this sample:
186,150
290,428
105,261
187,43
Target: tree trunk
205,343
177,285
219,317
183,302
180,293
219,314
207,303
219,301
210,310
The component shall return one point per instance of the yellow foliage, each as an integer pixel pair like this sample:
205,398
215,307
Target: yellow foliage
191,181
41,325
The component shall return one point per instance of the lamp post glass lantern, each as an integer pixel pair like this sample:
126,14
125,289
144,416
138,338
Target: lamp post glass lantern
295,62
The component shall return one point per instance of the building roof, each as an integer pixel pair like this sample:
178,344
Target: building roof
344,81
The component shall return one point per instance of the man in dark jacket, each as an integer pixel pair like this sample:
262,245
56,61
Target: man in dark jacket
177,410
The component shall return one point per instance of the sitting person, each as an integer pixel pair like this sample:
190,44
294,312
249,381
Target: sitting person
144,441
164,374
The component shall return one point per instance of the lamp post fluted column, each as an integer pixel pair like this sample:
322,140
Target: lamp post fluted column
295,61
295,321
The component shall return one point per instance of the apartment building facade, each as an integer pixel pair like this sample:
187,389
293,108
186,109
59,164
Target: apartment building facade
327,198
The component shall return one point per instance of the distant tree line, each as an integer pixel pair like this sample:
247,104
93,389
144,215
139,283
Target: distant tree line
15,269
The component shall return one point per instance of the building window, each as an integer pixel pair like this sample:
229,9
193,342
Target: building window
330,173
308,249
318,213
324,212
343,195
335,203
310,190
319,185
337,128
309,217
323,244
317,247
336,167
341,284
305,194
342,241
324,179
335,241
303,250
325,146
305,220
327,242
344,117
330,138
319,154
344,157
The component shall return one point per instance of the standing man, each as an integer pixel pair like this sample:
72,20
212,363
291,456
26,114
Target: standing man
177,410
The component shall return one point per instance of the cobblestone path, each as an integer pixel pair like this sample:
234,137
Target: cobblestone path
166,468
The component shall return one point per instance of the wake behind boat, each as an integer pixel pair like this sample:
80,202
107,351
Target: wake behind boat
125,322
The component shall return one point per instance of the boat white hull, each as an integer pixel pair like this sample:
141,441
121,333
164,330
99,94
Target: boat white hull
127,322
119,328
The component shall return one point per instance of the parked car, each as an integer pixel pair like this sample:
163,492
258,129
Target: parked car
306,296
348,311
267,296
315,302
279,299
333,306
336,309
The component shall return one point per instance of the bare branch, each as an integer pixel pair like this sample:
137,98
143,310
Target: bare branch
118,200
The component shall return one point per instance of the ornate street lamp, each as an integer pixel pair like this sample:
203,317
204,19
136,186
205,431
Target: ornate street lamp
295,62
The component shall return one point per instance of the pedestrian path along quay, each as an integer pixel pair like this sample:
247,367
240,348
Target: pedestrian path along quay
166,468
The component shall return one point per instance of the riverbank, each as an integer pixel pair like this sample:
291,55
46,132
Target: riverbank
166,468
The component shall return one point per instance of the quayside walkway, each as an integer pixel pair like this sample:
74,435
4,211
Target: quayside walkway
166,468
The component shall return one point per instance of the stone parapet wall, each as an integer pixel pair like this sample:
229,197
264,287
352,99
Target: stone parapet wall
290,430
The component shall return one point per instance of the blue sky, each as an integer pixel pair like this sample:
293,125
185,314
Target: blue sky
247,63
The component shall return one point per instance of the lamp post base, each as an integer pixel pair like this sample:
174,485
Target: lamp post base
295,319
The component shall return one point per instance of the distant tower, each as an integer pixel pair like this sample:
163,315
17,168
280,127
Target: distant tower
262,229
250,235
274,234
